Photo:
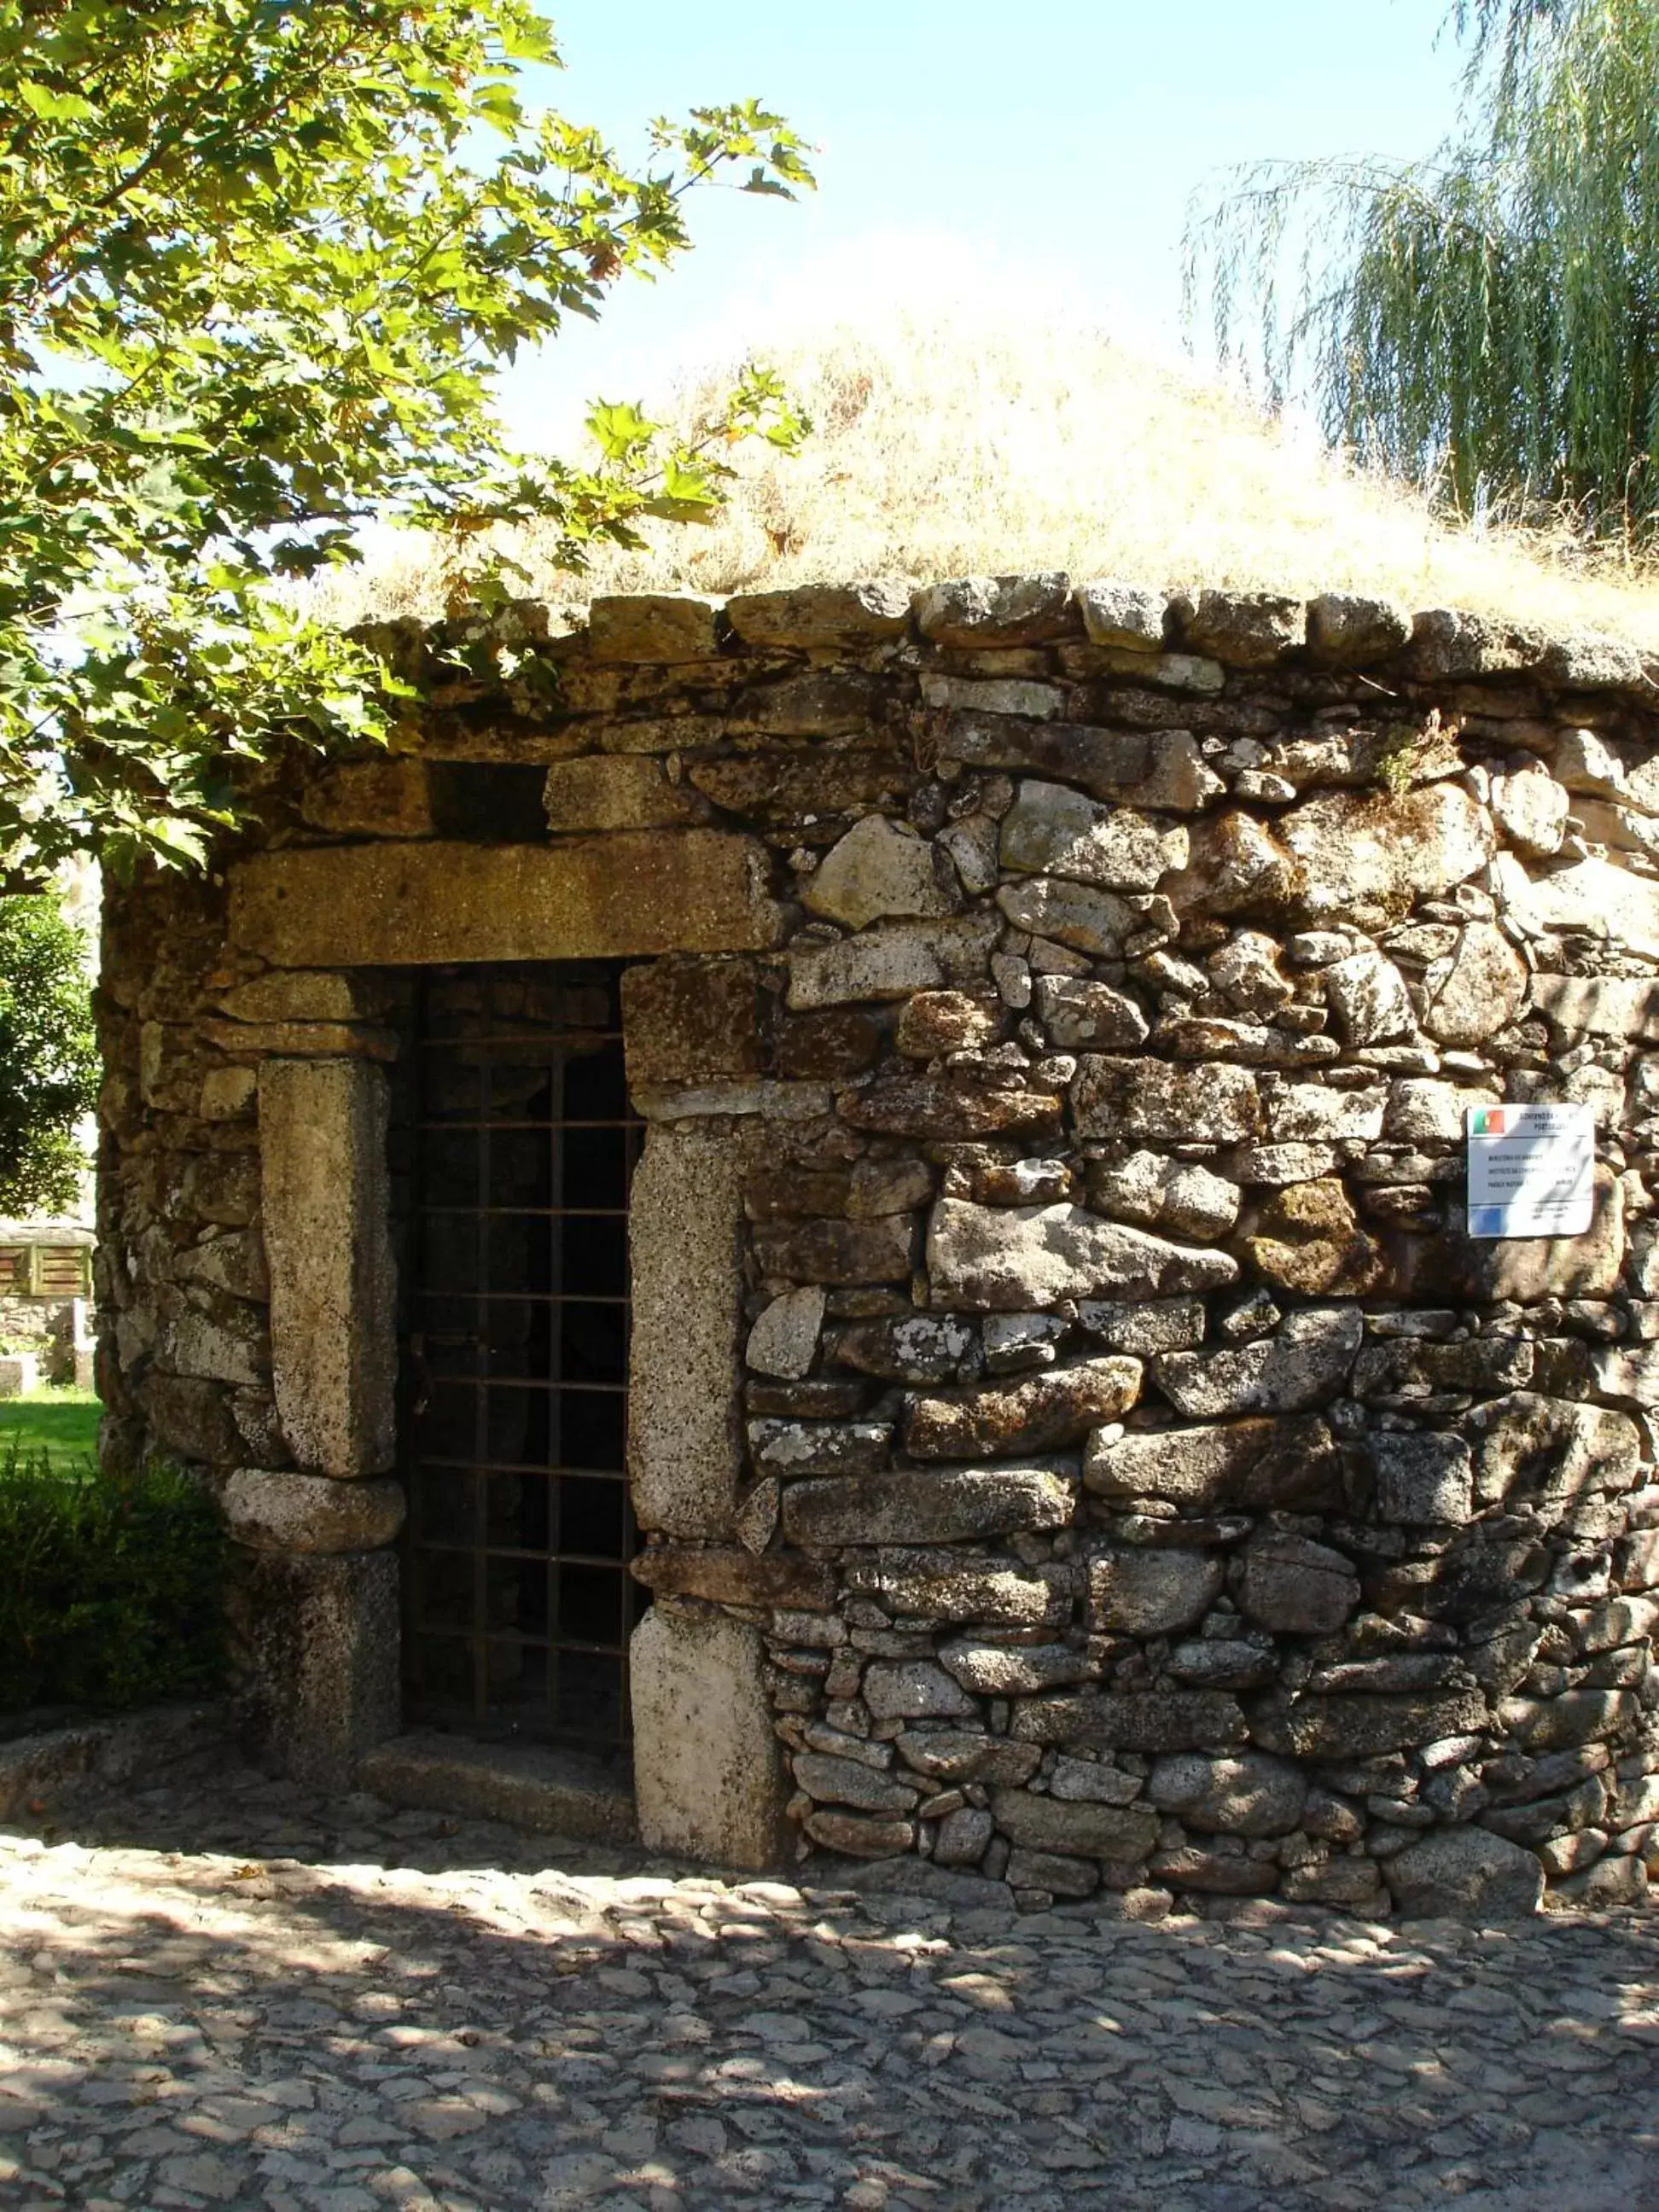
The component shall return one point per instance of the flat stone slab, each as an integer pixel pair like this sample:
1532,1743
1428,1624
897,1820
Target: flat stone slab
554,1792
943,1505
44,1772
401,905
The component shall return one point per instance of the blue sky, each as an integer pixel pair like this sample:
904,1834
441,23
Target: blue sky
1043,155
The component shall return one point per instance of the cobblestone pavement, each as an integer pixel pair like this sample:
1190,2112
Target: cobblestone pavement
243,1996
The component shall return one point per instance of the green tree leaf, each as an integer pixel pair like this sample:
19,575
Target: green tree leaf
261,263
48,1056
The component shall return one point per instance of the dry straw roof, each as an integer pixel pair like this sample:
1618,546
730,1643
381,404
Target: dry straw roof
950,446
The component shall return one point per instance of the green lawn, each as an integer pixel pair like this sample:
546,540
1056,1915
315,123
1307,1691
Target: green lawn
62,1422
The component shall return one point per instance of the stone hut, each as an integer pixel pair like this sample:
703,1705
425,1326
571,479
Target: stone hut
859,1197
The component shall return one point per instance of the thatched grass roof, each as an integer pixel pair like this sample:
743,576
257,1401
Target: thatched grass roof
951,444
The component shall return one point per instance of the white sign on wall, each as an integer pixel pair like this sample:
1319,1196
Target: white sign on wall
1531,1171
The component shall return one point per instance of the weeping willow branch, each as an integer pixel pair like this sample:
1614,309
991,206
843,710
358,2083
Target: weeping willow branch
1484,323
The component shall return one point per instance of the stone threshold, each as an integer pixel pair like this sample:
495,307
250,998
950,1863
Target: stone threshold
157,1745
536,1786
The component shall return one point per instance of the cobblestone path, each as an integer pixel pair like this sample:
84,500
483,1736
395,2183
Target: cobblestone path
248,1996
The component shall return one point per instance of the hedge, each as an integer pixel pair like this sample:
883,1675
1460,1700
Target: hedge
110,1586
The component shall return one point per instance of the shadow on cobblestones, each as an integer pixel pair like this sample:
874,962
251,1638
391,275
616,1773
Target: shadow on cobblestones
240,1994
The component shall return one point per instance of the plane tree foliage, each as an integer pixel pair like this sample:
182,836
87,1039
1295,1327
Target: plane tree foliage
1484,323
261,263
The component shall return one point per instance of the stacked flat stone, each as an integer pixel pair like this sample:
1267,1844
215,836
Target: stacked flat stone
1147,1485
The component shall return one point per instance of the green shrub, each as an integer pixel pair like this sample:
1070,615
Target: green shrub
110,1586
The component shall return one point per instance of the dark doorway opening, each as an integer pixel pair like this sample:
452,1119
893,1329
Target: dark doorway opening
518,1603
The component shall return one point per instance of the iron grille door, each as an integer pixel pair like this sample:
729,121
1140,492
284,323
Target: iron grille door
519,1601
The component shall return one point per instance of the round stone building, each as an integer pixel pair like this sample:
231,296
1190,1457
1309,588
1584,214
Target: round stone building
836,1223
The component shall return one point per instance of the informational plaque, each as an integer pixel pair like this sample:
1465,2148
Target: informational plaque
1531,1171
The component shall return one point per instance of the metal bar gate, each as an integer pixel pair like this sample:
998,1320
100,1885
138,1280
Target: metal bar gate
518,1603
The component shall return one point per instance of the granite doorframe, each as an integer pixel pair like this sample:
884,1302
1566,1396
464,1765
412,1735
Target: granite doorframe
709,1778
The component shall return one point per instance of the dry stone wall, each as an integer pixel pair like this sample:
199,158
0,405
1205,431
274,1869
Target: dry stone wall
1144,1483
